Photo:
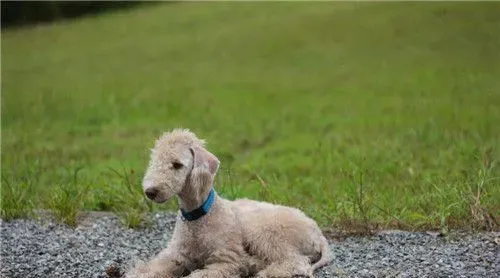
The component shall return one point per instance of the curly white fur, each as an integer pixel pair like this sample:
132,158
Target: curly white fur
236,238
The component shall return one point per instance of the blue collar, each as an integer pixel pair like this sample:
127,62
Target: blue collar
201,211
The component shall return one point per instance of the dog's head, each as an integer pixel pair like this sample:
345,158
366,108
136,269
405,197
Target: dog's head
178,160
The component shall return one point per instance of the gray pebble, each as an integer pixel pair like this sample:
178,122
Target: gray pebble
42,248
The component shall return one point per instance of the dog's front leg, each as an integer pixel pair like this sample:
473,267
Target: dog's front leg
167,264
223,264
216,270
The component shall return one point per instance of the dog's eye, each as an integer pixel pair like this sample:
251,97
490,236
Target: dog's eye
177,165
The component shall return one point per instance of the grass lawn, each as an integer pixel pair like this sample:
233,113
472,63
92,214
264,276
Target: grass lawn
357,113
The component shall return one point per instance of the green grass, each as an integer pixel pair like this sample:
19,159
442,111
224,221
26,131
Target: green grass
371,113
67,199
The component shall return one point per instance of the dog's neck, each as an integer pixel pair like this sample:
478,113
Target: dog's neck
202,210
191,198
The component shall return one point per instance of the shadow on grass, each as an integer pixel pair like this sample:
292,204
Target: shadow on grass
23,13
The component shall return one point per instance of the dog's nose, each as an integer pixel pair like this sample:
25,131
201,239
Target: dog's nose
151,193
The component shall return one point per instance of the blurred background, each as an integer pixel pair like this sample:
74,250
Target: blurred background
18,13
364,115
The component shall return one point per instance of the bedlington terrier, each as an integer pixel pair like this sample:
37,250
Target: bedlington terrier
218,238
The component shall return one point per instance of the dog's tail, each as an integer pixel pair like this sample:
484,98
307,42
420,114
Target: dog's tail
325,255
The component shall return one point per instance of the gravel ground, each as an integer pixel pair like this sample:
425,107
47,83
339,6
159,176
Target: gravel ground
40,248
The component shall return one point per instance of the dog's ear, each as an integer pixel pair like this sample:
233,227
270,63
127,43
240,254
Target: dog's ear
205,166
